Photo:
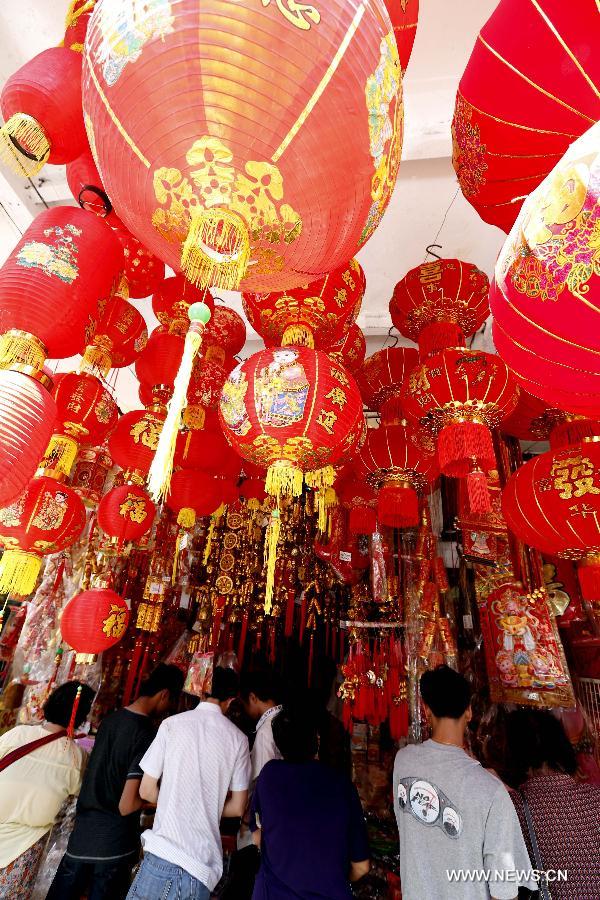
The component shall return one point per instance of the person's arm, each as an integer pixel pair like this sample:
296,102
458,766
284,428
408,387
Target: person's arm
131,800
235,805
504,848
358,840
152,765
149,789
359,869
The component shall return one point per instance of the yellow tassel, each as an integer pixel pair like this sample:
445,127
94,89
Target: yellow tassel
271,542
194,418
23,348
186,517
96,360
299,336
85,659
60,456
253,504
321,511
320,478
216,251
19,572
24,147
208,545
159,477
77,9
284,478
178,542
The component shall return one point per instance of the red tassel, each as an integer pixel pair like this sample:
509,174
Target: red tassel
589,580
479,496
398,506
289,612
462,442
132,671
272,645
438,336
572,432
302,618
71,726
217,619
440,574
363,520
242,641
311,653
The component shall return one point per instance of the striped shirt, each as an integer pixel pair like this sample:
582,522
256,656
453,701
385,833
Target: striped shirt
200,756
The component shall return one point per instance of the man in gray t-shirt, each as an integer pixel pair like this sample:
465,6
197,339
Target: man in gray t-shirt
459,833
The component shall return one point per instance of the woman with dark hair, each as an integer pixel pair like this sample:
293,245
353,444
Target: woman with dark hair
560,817
307,820
40,766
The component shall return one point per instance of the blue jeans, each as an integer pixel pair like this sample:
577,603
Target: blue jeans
158,879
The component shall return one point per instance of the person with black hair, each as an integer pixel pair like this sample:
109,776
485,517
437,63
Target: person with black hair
202,763
560,816
460,837
40,766
307,820
105,842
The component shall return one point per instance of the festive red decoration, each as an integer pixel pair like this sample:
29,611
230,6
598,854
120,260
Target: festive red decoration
46,518
546,292
86,410
380,380
238,204
27,415
170,303
404,15
252,490
194,493
204,391
86,186
51,283
209,451
41,107
94,621
226,331
76,23
351,350
440,303
126,513
314,315
120,336
517,111
159,361
144,271
134,441
359,499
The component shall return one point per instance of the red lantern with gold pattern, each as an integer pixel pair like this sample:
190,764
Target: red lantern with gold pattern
76,23
143,271
226,332
314,315
94,621
170,303
359,499
86,186
133,443
235,209
351,350
193,494
381,378
440,303
126,513
45,519
517,112
405,16
120,337
159,361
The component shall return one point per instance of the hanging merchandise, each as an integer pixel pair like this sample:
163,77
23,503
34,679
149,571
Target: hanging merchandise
546,290
94,621
235,209
119,337
440,304
515,118
314,315
381,378
358,498
133,443
405,16
193,494
350,351
173,298
78,17
208,450
159,361
90,474
126,513
143,271
86,186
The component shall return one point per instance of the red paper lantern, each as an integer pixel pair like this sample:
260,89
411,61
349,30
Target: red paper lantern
193,494
86,186
238,203
350,352
404,15
126,513
293,410
76,24
143,271
120,336
51,283
314,315
546,292
208,451
204,391
359,499
133,443
440,303
41,107
46,518
252,491
381,377
94,621
159,361
226,333
517,112
170,303
27,415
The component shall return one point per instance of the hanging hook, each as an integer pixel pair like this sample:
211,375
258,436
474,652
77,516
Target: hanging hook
431,252
394,336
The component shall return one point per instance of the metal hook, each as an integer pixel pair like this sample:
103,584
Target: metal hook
395,336
431,252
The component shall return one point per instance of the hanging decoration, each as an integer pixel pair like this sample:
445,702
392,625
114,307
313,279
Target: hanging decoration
381,378
120,336
350,351
94,621
405,16
126,513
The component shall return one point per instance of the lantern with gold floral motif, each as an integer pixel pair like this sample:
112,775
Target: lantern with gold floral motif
126,513
46,518
119,337
78,17
94,621
314,315
350,351
143,271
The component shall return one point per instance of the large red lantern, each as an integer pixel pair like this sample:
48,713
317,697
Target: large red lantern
235,208
381,378
208,450
546,292
314,315
440,303
133,443
193,494
45,519
126,513
51,283
119,338
41,107
351,350
94,621
517,112
404,15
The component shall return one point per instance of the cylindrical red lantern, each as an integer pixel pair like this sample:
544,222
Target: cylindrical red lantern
235,209
351,350
120,336
94,621
126,513
133,443
46,518
359,498
170,303
159,361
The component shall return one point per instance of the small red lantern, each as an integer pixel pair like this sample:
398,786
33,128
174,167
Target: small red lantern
381,378
351,350
172,300
144,271
252,492
314,315
120,337
209,451
133,443
94,621
359,499
159,361
440,303
86,186
45,519
204,391
126,513
194,494
405,16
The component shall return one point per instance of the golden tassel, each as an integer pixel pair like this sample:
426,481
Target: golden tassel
24,147
216,251
208,545
253,504
59,458
299,336
194,417
186,517
85,658
22,348
271,542
19,572
77,8
178,543
321,511
284,478
320,478
96,360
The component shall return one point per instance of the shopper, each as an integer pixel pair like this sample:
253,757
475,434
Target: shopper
307,820
105,842
459,834
40,766
558,814
199,757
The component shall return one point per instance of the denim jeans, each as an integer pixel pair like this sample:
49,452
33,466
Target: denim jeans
158,879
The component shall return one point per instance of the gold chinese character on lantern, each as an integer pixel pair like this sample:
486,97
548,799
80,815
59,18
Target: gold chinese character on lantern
340,296
302,15
339,376
116,622
147,432
574,476
337,397
327,419
349,280
134,507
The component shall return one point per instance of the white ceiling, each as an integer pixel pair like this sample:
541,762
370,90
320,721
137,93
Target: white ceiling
426,206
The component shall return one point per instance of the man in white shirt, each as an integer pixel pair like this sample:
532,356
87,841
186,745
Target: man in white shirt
203,764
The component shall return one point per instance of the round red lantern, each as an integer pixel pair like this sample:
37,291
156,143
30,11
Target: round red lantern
351,350
208,451
27,415
126,513
236,208
546,291
440,303
204,391
405,16
225,334
86,186
41,107
46,518
94,621
143,271
252,492
133,443
159,361
381,377
314,315
359,499
120,336
172,300
193,494
51,283
514,119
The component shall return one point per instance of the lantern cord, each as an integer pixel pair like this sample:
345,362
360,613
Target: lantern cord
434,244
